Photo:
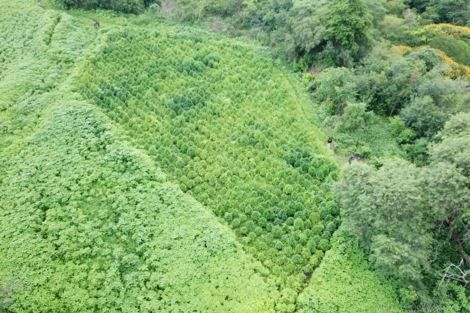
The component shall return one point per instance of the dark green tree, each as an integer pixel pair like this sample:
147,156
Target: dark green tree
399,210
347,25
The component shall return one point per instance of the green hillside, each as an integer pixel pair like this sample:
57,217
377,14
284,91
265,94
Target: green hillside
233,136
135,178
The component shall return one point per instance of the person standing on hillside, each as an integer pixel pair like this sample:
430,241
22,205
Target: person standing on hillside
335,148
330,140
96,24
351,157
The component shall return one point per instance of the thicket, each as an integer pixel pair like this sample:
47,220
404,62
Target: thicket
125,6
334,32
405,102
415,220
452,40
236,137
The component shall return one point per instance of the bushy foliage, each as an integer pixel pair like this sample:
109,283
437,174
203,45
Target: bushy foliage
355,117
402,209
229,135
126,6
347,23
96,230
202,127
344,283
97,218
415,84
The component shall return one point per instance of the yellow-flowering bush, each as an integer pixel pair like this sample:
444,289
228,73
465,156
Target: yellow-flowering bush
455,69
459,32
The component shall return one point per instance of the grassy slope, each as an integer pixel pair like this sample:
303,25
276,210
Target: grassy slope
344,283
88,223
81,235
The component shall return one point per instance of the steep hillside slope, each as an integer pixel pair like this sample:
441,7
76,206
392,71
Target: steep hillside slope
87,222
233,136
135,178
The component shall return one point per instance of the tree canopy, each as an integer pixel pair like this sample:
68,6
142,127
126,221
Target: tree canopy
399,210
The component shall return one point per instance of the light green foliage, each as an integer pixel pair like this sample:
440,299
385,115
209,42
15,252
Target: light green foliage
355,117
307,29
87,217
399,131
344,283
424,117
377,11
410,86
231,134
49,38
458,125
336,85
453,149
101,223
89,223
126,6
395,7
429,56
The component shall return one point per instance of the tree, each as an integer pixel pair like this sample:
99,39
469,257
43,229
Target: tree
355,117
395,7
384,208
398,210
347,24
453,11
424,117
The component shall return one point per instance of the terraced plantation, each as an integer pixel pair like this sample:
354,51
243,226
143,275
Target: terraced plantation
135,178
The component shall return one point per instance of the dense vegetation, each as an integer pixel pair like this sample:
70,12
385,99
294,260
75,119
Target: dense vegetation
90,223
239,146
150,166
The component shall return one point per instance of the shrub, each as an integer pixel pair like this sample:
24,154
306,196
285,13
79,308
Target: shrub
317,229
269,237
312,246
288,189
297,259
269,214
288,251
308,268
252,235
277,231
250,226
228,217
256,215
262,222
324,244
279,245
299,224
355,117
236,222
